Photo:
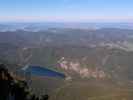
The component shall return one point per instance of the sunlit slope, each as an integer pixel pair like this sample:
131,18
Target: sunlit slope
93,91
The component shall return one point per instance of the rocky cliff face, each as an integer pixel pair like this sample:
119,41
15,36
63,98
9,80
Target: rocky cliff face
75,67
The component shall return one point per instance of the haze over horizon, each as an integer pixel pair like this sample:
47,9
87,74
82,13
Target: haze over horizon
66,11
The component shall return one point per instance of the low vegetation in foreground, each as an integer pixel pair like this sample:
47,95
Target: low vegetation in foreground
15,89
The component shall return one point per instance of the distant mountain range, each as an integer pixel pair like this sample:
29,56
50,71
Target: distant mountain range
44,26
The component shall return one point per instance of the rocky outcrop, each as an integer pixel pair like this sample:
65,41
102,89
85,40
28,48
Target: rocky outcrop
84,72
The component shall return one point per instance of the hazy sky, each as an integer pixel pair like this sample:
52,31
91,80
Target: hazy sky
67,10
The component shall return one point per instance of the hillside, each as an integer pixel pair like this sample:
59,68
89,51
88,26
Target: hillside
89,58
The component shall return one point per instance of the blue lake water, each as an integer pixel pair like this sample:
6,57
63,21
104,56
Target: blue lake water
41,71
